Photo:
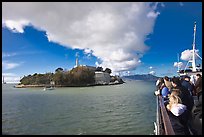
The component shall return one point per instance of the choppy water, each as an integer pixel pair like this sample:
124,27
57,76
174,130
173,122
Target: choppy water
127,109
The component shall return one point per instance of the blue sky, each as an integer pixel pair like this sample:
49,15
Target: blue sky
147,39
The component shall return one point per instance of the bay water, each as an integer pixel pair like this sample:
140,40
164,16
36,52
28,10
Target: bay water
125,109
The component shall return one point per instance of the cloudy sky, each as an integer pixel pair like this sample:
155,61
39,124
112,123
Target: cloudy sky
129,38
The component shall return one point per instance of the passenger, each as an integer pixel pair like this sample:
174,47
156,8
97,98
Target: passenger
198,85
196,120
178,115
193,79
165,93
175,92
162,89
175,104
184,95
167,83
159,85
186,83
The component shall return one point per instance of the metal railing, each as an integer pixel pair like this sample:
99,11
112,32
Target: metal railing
163,124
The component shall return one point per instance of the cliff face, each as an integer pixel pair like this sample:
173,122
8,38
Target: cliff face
145,77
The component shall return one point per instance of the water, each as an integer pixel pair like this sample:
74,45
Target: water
127,109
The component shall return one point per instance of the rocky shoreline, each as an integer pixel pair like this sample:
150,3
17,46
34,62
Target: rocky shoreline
34,86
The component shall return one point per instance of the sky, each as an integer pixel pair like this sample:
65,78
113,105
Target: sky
127,37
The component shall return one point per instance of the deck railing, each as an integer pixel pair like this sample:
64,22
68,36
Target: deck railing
164,126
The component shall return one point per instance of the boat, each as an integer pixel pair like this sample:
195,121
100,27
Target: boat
163,124
193,69
48,88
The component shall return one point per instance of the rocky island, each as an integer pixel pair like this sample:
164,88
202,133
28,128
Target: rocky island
76,77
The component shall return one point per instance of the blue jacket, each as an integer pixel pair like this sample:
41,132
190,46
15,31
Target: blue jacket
165,91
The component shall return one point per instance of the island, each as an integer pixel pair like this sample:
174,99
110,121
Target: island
78,76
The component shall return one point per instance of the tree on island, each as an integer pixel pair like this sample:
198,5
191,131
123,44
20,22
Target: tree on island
59,70
99,69
108,70
79,76
36,79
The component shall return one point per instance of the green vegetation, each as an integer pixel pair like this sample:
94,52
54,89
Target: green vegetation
79,76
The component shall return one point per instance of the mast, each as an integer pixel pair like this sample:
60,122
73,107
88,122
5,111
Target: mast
193,59
178,62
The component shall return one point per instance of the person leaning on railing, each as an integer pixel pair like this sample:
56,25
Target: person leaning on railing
198,85
168,83
159,84
178,113
184,93
196,119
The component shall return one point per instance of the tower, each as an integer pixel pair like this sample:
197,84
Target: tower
77,60
4,81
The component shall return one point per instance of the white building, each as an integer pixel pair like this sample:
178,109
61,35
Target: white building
102,77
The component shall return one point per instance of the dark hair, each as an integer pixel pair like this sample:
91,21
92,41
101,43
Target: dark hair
166,78
198,75
186,76
176,81
162,80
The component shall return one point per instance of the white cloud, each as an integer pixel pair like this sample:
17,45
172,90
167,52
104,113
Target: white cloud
152,14
15,26
113,32
188,54
8,54
87,51
178,64
9,65
152,72
150,67
97,64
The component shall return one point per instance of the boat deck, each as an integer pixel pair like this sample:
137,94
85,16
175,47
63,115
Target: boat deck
163,124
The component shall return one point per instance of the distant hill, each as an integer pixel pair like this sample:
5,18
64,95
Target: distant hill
146,77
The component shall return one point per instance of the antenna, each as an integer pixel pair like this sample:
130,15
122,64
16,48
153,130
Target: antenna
193,59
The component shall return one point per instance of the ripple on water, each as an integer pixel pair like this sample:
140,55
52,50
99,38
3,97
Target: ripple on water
100,110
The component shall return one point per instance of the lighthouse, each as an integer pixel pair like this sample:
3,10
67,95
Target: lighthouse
77,60
4,81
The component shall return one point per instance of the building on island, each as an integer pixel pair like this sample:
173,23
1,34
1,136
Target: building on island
91,68
102,77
